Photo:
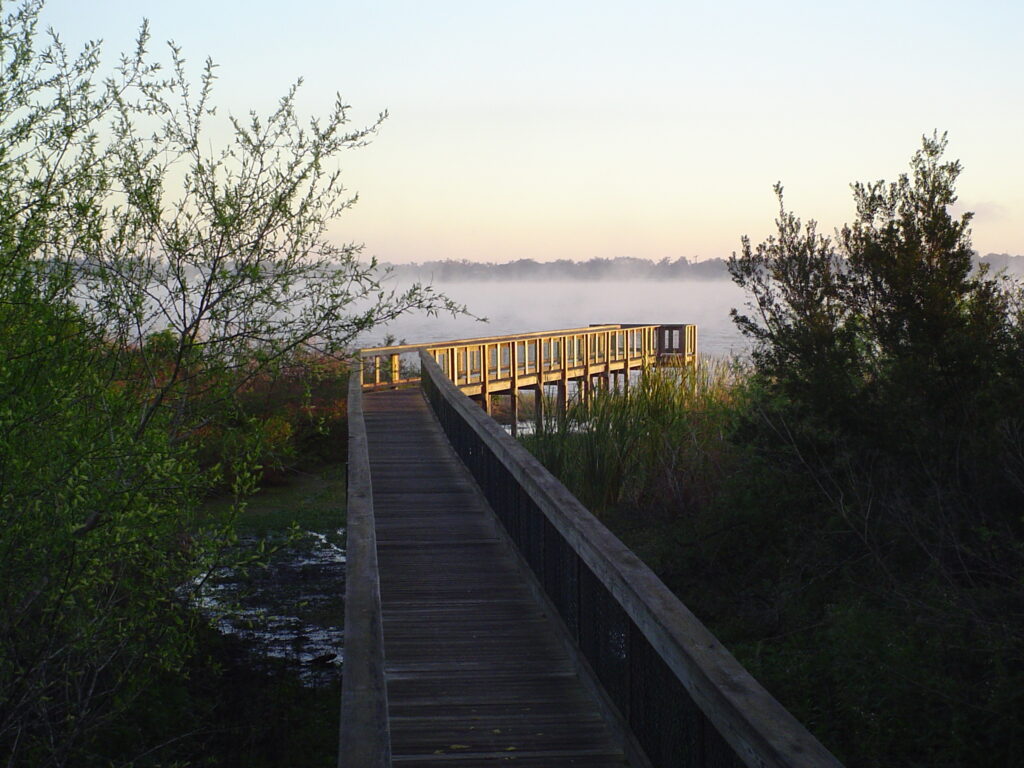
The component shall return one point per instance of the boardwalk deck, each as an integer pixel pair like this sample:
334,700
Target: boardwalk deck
476,675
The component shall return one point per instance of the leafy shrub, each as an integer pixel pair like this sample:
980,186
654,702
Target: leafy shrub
845,514
150,284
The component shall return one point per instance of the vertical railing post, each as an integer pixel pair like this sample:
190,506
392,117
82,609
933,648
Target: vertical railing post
485,384
515,389
587,355
607,361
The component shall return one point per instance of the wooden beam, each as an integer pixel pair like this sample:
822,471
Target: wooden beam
538,406
587,354
364,736
514,409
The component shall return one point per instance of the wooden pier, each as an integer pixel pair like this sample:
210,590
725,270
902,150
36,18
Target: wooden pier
490,619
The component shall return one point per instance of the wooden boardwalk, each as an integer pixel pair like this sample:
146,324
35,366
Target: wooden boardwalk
476,675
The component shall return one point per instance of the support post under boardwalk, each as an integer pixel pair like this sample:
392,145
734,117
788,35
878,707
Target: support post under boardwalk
515,387
485,378
538,406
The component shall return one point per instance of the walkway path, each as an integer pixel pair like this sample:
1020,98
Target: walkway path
476,675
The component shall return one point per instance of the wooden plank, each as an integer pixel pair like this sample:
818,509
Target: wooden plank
476,675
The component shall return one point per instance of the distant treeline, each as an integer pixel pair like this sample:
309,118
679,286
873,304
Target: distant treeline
620,268
1013,265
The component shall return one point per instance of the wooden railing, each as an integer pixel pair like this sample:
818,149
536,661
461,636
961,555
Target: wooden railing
596,355
680,693
504,363
364,733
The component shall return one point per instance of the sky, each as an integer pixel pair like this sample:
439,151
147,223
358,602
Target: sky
565,129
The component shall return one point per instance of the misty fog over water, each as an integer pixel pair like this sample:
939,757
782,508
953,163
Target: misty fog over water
521,307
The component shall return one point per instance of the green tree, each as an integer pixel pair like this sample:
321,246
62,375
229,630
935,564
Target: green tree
887,338
889,377
144,280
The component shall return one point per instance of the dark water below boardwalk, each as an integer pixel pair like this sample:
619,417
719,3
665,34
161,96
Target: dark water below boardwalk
289,610
518,307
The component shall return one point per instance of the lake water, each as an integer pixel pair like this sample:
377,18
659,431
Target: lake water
520,307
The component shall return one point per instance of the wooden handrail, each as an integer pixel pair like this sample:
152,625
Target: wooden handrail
364,735
485,365
757,729
371,351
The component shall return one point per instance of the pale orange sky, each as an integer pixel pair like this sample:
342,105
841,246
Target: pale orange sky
595,129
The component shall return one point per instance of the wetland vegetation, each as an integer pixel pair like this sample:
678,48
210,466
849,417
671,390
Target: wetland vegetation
844,509
173,328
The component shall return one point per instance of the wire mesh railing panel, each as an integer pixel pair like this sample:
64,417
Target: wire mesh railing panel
532,545
669,726
604,638
561,578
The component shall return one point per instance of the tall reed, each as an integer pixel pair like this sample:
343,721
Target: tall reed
693,471
662,447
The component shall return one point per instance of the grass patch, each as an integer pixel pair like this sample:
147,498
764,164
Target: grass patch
312,499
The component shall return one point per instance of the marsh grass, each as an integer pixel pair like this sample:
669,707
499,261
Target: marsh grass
880,664
663,446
